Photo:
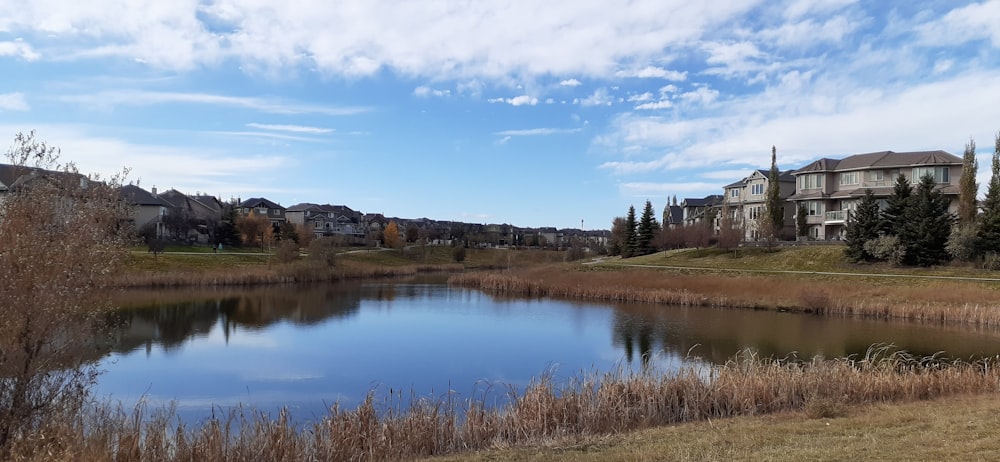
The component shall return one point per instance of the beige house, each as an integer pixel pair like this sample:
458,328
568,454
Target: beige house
746,200
830,188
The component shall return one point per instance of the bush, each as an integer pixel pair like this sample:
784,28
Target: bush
962,243
288,251
323,250
991,261
886,248
458,254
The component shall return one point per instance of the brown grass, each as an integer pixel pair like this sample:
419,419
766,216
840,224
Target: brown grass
976,303
587,406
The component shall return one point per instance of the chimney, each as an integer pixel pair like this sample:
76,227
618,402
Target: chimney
154,190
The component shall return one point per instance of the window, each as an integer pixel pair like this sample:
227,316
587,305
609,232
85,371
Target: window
262,210
317,224
275,212
940,174
814,208
754,212
811,181
847,178
734,192
757,189
876,175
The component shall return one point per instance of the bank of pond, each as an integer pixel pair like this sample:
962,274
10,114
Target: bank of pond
389,370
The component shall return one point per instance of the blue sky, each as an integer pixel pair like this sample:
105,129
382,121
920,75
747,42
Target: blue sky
523,112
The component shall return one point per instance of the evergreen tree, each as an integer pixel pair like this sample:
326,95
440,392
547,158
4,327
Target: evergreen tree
862,226
967,186
801,225
648,228
926,225
988,236
775,209
892,216
631,239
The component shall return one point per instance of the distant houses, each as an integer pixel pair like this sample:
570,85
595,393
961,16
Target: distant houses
827,190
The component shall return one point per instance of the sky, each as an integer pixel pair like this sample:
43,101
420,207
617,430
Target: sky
533,113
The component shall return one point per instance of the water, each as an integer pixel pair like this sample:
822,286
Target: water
307,347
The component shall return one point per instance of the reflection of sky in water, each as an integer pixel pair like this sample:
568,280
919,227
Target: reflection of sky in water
306,353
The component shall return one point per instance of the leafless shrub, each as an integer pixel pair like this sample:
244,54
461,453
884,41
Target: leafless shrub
62,236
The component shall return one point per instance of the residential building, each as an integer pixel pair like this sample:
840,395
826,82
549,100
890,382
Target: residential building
263,207
830,188
150,211
673,216
197,216
746,200
695,211
326,219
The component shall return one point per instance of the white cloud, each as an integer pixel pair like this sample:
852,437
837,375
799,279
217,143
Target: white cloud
538,131
426,92
147,98
449,39
570,83
18,48
13,102
976,21
516,101
291,128
638,98
651,72
600,97
662,104
701,95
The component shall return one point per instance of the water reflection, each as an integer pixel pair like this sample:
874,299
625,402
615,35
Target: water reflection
306,347
716,335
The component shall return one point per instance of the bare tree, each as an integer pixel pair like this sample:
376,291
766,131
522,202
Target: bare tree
63,235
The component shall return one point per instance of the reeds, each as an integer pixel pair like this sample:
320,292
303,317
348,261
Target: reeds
938,301
587,405
298,272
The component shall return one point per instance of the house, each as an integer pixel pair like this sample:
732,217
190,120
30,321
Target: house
326,219
673,216
829,189
195,216
695,211
746,200
263,207
149,210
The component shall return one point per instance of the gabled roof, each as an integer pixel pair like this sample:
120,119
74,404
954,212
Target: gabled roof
255,202
676,214
138,196
883,159
713,199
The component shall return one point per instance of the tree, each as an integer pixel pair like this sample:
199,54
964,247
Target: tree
896,206
63,237
647,231
926,226
988,235
968,188
774,208
631,239
801,225
253,228
862,226
393,239
730,231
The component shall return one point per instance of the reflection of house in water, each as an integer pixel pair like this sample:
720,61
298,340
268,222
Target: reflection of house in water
169,325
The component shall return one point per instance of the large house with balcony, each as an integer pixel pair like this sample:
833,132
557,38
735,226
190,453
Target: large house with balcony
747,198
829,189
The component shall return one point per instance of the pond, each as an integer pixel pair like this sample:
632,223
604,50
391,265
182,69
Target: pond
307,347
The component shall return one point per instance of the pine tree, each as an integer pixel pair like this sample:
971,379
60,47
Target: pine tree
967,186
775,209
648,228
892,216
988,236
862,226
926,225
631,239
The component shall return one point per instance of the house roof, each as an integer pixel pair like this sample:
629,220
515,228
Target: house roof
676,214
713,199
138,196
883,159
255,202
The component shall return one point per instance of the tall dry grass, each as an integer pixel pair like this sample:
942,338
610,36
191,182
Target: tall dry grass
939,301
591,404
296,272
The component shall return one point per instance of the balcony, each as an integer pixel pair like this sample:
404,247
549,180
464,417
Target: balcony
836,216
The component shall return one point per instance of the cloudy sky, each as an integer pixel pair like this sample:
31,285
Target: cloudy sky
535,113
